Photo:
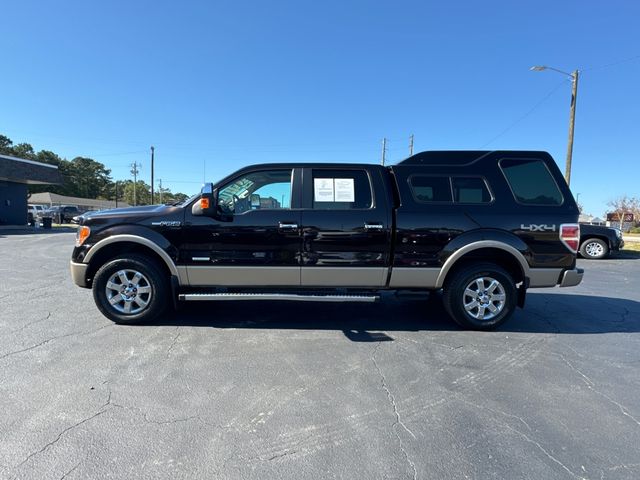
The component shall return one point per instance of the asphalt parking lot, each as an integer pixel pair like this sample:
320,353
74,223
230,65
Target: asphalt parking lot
244,390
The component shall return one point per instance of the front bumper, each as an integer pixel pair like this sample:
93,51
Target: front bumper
571,278
79,274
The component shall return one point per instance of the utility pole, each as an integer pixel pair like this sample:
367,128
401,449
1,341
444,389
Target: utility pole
134,172
152,151
384,150
160,189
572,123
572,113
116,193
411,145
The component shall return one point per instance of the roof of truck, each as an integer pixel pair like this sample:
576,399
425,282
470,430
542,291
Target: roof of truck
464,157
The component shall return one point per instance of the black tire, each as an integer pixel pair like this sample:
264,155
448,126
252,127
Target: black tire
455,296
594,249
152,279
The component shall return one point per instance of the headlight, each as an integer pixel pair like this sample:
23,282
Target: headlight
82,235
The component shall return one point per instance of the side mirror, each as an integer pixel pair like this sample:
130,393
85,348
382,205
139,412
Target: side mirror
255,200
206,204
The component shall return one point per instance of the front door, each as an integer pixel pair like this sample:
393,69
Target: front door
257,243
346,228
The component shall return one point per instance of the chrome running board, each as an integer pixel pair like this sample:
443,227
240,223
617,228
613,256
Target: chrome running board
192,297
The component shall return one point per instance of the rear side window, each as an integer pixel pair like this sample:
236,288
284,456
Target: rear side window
470,190
427,189
431,189
531,182
341,189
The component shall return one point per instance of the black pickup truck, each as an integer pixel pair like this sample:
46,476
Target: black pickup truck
483,226
597,241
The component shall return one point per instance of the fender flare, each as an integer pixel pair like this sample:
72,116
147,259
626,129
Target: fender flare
459,253
134,239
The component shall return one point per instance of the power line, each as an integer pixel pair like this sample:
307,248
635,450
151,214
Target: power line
525,115
117,154
612,64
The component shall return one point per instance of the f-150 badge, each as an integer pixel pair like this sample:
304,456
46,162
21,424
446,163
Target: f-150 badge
166,223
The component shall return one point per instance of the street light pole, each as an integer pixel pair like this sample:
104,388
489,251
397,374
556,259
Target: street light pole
572,113
572,123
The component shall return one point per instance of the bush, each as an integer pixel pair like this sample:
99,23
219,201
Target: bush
635,230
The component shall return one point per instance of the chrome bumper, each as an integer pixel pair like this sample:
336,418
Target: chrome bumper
571,278
79,274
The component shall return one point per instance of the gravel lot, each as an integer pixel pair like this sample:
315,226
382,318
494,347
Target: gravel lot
269,390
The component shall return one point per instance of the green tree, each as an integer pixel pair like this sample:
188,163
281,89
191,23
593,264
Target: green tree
142,192
47,156
84,177
24,150
6,145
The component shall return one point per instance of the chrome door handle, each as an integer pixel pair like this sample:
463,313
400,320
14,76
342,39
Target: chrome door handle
373,226
288,226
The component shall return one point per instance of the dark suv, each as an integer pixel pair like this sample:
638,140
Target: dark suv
483,227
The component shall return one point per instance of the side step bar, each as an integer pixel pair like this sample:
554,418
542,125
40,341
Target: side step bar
194,297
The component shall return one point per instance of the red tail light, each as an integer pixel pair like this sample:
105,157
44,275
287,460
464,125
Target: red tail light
570,236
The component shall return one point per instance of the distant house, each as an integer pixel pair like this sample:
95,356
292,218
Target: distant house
53,199
590,219
15,175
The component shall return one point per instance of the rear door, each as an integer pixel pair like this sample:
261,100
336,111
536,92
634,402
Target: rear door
346,227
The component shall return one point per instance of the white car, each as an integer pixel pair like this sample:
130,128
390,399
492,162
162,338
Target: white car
35,212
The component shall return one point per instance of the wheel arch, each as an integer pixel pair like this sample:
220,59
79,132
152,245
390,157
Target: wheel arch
604,238
502,254
116,245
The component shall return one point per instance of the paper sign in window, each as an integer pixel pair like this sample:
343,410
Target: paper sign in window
344,190
323,190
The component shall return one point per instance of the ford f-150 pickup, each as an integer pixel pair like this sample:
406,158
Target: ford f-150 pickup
482,226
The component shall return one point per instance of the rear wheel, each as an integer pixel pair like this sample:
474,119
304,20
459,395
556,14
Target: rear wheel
480,296
594,248
131,289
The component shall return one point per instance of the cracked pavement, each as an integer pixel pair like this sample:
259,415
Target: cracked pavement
241,390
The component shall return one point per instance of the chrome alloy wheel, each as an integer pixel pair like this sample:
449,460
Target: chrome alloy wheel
594,249
484,298
128,291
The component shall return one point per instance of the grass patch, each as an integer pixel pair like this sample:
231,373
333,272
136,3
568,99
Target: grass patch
632,246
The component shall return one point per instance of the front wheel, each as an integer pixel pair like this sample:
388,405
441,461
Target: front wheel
131,289
594,248
480,296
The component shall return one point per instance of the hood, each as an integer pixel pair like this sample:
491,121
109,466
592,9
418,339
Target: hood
145,211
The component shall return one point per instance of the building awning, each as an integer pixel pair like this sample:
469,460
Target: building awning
19,170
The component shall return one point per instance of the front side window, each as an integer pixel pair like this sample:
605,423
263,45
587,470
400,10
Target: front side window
531,182
341,189
269,189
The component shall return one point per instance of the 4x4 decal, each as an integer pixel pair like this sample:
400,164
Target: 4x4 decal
538,228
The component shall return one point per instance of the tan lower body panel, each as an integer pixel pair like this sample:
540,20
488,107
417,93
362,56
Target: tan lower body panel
414,277
344,276
332,276
206,276
261,276
544,277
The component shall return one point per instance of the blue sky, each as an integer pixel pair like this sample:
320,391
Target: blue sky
219,85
